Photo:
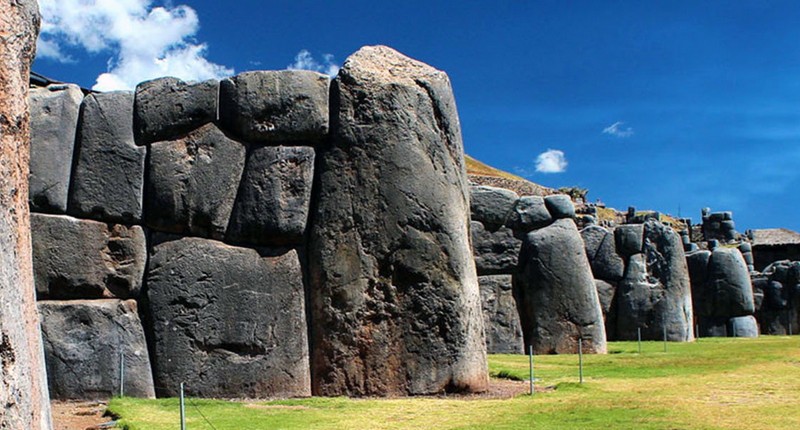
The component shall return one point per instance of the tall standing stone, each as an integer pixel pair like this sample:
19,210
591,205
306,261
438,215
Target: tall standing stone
395,305
23,385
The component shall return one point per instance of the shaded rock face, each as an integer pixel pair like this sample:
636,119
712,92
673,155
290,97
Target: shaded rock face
556,294
227,321
395,305
108,177
601,251
23,385
500,316
496,251
83,341
606,292
75,258
166,108
274,196
778,286
491,206
727,290
276,106
192,183
54,121
530,212
654,294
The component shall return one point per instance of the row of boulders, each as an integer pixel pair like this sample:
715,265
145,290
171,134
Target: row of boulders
777,298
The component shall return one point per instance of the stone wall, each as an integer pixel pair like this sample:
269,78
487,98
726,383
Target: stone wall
170,234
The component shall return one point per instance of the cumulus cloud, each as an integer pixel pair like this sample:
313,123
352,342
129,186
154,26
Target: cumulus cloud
617,130
305,61
145,41
551,161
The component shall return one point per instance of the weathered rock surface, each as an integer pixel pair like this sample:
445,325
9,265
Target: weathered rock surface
655,293
108,177
560,206
606,292
83,341
728,291
490,205
500,315
744,326
85,259
629,239
192,183
529,213
395,305
276,106
227,321
54,121
601,251
779,311
166,108
556,293
274,196
495,252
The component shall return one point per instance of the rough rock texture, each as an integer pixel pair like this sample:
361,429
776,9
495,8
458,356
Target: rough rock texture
85,259
23,384
560,206
728,291
500,315
744,326
491,206
227,321
395,305
274,196
83,341
606,292
496,251
276,106
601,251
108,176
192,183
779,311
54,121
556,294
655,293
529,213
629,239
166,108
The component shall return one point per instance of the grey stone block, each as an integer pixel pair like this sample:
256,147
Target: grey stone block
529,213
495,252
500,315
108,177
560,206
744,326
490,205
83,341
272,203
166,108
276,106
54,122
629,239
74,259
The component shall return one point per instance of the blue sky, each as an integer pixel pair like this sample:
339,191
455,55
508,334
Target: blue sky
699,101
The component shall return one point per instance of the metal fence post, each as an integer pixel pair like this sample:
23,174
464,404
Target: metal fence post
639,338
183,410
580,359
121,373
530,365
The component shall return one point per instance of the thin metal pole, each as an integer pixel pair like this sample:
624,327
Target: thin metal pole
697,331
530,365
183,410
580,358
789,320
665,338
121,373
639,338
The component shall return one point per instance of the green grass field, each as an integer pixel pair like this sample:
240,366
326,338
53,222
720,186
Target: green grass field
709,384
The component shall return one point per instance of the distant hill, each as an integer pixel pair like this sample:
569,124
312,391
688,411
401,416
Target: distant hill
482,174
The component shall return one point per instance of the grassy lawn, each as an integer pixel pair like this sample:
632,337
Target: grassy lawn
710,384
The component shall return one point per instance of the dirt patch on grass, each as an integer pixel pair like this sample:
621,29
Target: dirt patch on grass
79,415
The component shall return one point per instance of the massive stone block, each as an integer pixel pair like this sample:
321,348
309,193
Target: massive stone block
85,259
166,108
54,121
500,315
227,321
556,294
86,342
395,305
274,196
108,177
560,206
728,291
496,251
490,205
192,183
655,293
529,212
606,292
276,106
601,251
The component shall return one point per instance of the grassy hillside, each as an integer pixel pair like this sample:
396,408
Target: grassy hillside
709,384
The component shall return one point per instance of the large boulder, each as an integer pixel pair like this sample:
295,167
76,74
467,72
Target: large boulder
276,106
272,203
601,250
395,305
227,321
166,108
83,259
530,212
495,251
108,177
654,294
87,341
606,292
500,315
556,294
490,205
560,206
54,121
192,182
728,291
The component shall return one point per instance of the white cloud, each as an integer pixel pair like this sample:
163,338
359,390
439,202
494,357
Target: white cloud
551,161
617,130
146,42
305,61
